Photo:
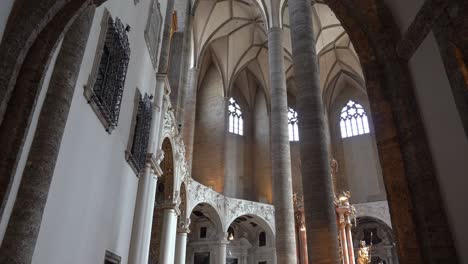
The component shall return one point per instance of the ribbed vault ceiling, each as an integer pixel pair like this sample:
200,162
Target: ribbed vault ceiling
233,34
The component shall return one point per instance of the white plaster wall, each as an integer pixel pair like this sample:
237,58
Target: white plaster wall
210,132
447,140
362,169
235,166
91,199
262,160
26,148
5,9
359,169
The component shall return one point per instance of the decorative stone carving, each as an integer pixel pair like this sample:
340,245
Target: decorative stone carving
183,226
228,209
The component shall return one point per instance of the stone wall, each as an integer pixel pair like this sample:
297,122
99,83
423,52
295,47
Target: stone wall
210,132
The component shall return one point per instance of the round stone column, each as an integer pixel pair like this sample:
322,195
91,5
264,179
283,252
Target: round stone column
190,110
21,235
344,243
143,217
322,233
168,235
280,153
181,241
222,251
349,241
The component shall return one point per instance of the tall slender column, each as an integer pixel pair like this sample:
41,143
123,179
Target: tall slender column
222,251
280,153
181,241
349,241
344,243
22,232
318,199
190,102
303,246
143,217
168,235
144,208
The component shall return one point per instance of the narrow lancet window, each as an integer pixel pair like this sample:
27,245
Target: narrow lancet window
236,121
353,120
293,126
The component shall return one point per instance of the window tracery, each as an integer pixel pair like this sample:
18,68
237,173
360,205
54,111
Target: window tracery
353,120
236,121
293,126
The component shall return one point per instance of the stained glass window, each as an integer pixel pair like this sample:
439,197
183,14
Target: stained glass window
293,126
236,121
353,120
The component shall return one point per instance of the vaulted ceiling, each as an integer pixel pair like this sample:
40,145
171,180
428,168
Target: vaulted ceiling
232,34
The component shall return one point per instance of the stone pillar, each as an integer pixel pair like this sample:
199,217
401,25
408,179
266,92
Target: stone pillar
181,241
280,153
303,246
22,232
168,235
190,111
143,216
318,199
344,243
144,208
349,241
222,250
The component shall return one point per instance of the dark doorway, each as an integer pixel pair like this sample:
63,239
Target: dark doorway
202,258
231,261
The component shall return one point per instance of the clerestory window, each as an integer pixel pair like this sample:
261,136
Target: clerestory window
293,126
236,121
353,120
105,89
138,151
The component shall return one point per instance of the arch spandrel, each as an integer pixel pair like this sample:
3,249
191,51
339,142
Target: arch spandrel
227,208
236,208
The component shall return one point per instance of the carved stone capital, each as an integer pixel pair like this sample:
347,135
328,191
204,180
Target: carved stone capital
169,205
154,162
183,226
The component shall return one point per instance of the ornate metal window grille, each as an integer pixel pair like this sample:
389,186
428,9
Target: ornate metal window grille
141,135
236,121
353,120
293,126
111,73
111,258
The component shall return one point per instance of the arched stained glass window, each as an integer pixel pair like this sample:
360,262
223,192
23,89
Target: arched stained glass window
293,126
353,120
236,121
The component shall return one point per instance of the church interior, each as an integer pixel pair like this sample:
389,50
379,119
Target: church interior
233,131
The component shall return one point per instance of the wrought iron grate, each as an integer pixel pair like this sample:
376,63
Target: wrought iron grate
142,133
112,71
